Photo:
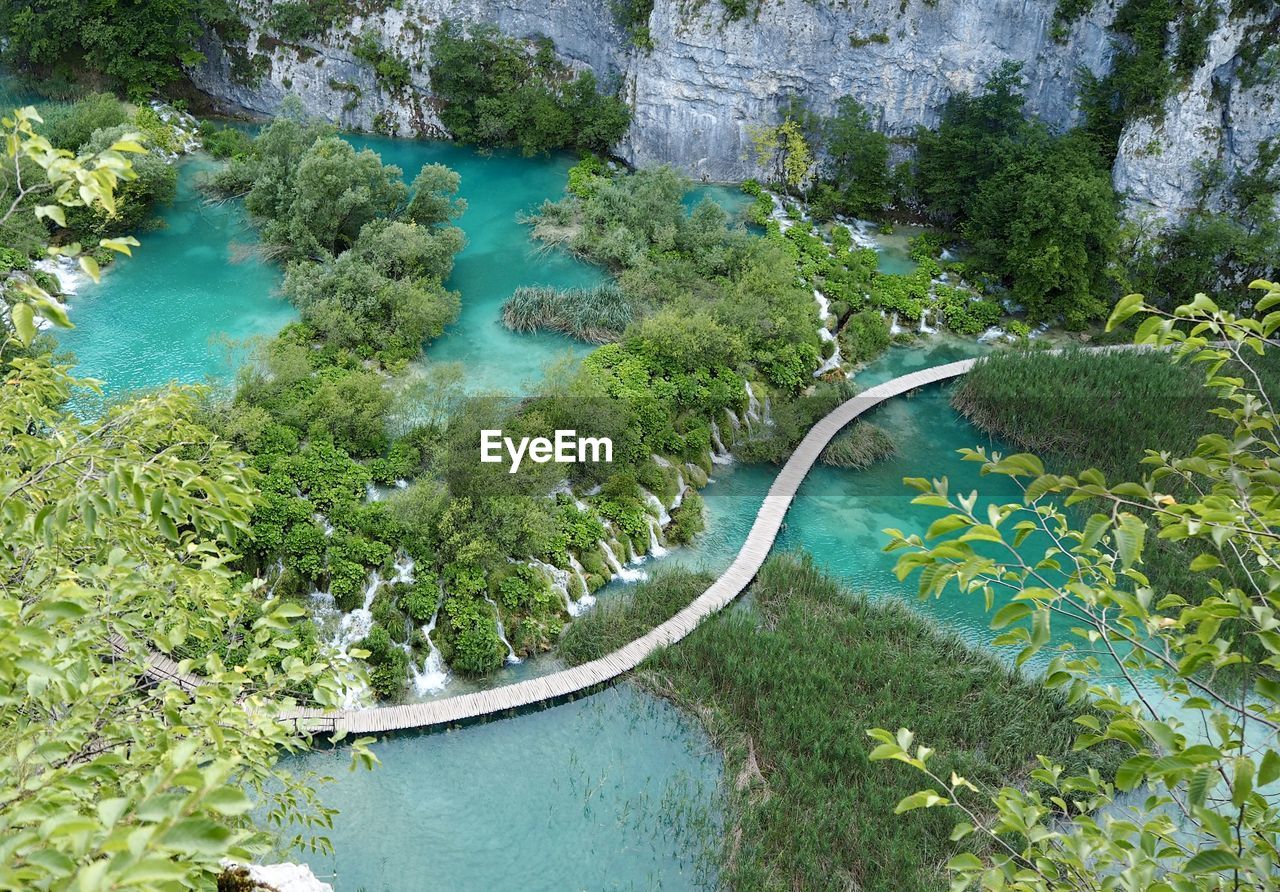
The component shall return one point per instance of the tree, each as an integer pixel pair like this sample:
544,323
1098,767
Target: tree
435,200
1186,683
35,171
115,540
140,44
783,150
859,158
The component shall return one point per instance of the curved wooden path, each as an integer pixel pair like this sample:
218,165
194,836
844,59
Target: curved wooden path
752,555
728,586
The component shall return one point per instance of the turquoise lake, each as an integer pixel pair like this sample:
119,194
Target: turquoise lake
617,790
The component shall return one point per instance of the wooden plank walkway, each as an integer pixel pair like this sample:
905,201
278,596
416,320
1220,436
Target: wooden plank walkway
729,585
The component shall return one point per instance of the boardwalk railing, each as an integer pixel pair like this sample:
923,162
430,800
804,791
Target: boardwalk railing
720,593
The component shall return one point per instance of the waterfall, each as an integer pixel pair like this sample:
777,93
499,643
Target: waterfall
680,486
432,676
560,582
894,328
626,574
660,461
656,548
860,232
656,505
719,455
502,632
779,213
563,488
924,327
585,600
733,419
753,405
824,315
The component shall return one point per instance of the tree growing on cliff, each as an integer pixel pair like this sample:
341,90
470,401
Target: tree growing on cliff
1185,681
783,150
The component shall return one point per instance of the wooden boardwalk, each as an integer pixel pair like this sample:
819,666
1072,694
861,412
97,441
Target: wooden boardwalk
728,586
752,555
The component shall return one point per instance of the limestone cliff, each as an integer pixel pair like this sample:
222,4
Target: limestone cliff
704,79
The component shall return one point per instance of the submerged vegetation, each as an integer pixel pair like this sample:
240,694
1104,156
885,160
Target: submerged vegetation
860,446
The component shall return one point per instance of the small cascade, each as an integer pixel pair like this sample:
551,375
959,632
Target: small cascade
324,523
734,422
719,455
660,461
656,505
586,600
626,574
779,213
767,412
680,488
502,632
753,404
374,493
560,583
656,548
925,328
860,232
563,488
432,676
894,328
832,362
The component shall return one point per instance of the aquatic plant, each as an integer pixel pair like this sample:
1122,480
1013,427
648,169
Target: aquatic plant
860,446
598,314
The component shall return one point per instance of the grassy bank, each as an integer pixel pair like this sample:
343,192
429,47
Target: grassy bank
1082,410
789,686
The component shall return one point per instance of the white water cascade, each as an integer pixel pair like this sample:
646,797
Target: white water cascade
626,574
559,579
563,488
832,362
585,600
656,548
719,455
860,232
502,632
432,676
656,504
753,404
680,488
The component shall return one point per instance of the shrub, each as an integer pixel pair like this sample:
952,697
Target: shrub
859,447
864,337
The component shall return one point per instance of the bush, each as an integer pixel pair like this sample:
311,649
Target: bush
619,621
864,337
225,142
69,126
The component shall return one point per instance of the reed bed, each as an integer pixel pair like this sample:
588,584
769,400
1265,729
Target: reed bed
859,447
598,314
1082,410
788,687
615,622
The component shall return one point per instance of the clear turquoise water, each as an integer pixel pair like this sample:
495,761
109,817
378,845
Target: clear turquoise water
612,792
608,792
175,310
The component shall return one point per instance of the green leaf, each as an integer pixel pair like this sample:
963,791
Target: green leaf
1205,561
52,212
24,323
1269,770
197,835
1128,305
90,267
1211,861
923,799
964,861
1010,613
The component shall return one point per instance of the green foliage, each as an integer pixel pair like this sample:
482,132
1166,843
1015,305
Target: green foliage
632,17
225,142
122,529
859,447
1039,210
864,337
585,175
497,92
1184,680
783,150
616,622
155,181
388,663
598,314
71,124
967,313
140,46
858,168
786,685
297,20
391,70
688,520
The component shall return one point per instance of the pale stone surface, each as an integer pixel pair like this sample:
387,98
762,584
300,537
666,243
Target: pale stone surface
706,79
287,877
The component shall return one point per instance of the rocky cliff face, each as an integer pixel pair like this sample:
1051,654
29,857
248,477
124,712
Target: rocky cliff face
705,79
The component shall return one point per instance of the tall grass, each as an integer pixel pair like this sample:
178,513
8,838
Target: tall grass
618,621
597,314
1105,410
790,685
860,446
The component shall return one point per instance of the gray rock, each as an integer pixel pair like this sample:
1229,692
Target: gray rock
705,79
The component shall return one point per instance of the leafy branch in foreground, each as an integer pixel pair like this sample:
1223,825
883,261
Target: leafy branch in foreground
1186,681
